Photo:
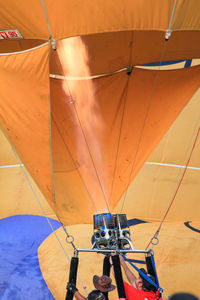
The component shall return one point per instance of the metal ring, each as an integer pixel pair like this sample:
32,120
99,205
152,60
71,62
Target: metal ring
70,239
156,241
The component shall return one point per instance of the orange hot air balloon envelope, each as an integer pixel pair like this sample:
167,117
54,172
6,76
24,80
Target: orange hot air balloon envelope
128,125
84,137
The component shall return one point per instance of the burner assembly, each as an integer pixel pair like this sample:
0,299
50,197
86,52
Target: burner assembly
111,232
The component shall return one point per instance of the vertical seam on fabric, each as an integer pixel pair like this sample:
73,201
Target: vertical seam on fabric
50,135
122,119
143,126
70,96
75,165
91,157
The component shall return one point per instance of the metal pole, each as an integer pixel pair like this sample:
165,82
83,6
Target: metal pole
104,251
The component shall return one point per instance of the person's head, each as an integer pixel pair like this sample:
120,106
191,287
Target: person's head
103,283
96,295
147,286
138,283
183,296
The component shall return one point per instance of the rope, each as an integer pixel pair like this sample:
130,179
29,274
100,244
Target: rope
53,42
24,51
155,236
122,119
143,126
57,76
53,187
50,140
85,139
177,189
70,153
119,138
51,155
81,78
75,252
36,197
172,16
65,78
150,100
169,31
48,221
90,154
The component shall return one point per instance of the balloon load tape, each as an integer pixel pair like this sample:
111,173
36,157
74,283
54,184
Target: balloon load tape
111,232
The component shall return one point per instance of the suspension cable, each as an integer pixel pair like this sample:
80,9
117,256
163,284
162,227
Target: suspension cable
69,238
53,42
73,160
149,104
36,197
169,31
90,154
53,187
155,236
48,221
125,93
143,126
85,139
70,153
154,240
171,165
50,139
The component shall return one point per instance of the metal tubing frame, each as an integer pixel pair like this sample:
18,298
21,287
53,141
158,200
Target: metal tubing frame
104,251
